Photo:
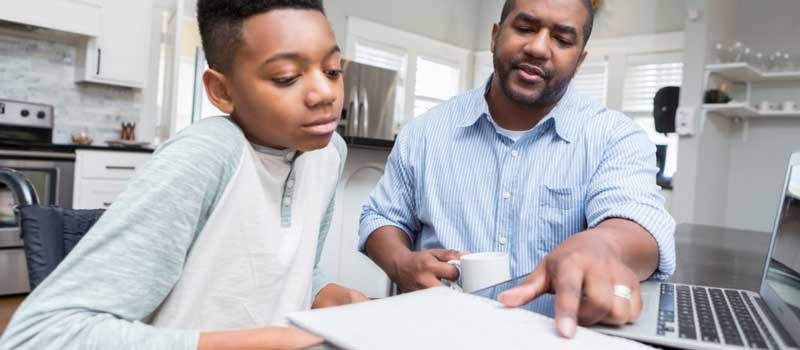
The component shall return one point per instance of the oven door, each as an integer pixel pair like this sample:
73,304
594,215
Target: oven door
53,180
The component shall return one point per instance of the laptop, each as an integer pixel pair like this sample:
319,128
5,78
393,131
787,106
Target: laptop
700,317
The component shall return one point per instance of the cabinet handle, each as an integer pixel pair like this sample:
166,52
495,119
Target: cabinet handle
110,167
107,204
99,57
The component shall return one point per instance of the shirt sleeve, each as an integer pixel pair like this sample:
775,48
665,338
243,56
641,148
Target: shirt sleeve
392,201
320,280
624,186
127,264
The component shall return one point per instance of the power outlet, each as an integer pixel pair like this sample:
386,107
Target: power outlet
684,121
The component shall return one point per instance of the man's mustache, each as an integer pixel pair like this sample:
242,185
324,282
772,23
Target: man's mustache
533,67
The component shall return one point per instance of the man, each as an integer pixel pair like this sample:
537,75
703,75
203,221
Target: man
527,166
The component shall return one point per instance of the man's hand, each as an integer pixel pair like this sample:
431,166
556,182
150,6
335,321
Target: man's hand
582,273
335,295
425,269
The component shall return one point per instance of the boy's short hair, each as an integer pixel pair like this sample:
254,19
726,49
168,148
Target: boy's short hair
221,24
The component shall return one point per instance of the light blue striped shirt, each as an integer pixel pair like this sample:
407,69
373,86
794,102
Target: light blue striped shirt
453,181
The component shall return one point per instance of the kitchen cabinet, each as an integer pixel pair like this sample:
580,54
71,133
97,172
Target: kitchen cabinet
119,55
81,17
341,261
100,176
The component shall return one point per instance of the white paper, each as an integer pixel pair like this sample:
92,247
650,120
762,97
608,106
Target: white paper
441,318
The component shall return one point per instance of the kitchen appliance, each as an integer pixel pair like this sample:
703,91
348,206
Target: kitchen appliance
369,102
26,131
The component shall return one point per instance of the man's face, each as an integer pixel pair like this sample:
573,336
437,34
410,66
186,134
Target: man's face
538,48
287,87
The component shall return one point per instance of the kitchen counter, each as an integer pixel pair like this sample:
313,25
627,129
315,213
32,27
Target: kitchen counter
360,142
68,148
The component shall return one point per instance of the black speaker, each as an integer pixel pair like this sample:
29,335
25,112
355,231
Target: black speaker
665,105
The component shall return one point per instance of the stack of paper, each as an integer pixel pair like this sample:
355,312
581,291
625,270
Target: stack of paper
441,318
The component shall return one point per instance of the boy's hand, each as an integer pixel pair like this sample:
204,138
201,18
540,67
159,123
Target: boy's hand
259,338
335,295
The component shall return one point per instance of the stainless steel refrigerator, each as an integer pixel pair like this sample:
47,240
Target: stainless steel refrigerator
369,104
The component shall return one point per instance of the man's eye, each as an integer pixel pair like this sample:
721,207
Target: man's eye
285,80
564,42
525,29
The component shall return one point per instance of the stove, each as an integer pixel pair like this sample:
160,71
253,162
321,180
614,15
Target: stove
26,132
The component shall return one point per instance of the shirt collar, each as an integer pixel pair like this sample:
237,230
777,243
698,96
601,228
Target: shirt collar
478,107
567,122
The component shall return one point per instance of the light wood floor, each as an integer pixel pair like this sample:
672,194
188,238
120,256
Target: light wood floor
7,307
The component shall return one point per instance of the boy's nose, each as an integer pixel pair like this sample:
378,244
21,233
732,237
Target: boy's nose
322,91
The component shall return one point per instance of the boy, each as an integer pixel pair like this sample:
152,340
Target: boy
221,233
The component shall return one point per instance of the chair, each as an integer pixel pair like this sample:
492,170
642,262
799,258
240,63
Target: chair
48,233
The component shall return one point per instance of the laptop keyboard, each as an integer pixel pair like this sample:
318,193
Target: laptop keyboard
711,315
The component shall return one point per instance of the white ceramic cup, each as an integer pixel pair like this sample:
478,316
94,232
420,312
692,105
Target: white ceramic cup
764,106
789,106
481,270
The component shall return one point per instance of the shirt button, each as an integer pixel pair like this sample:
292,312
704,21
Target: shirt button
502,240
290,184
506,195
287,202
514,153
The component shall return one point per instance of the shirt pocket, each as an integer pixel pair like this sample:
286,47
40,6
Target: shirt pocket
558,197
559,216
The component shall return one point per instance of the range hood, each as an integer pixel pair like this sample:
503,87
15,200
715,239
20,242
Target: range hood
81,17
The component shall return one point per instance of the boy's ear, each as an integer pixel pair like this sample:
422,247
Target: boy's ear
217,91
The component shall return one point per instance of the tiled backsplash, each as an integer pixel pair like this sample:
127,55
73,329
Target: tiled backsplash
42,71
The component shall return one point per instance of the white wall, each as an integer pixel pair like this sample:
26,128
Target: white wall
722,178
758,165
451,21
616,18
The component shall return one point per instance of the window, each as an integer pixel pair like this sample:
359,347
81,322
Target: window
430,71
436,83
644,76
592,80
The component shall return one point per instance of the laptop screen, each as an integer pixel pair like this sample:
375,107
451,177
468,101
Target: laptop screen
783,272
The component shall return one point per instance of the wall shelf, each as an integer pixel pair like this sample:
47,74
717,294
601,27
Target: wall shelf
743,113
744,72
742,110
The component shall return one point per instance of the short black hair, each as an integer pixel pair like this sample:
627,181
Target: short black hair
587,27
221,21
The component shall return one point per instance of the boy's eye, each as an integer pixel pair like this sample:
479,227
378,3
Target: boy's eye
334,73
285,80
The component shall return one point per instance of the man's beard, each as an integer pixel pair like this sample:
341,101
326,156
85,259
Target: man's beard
553,89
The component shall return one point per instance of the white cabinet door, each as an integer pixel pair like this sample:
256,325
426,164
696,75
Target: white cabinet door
120,55
98,194
341,260
100,176
72,16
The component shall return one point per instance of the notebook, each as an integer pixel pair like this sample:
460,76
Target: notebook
447,319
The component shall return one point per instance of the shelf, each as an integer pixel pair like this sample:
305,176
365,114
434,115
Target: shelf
742,110
743,72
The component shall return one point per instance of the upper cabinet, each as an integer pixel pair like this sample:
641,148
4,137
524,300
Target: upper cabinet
81,17
119,54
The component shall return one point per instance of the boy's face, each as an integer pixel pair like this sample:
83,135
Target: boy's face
285,84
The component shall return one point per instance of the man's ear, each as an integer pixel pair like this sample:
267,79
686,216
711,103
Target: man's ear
495,30
217,91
